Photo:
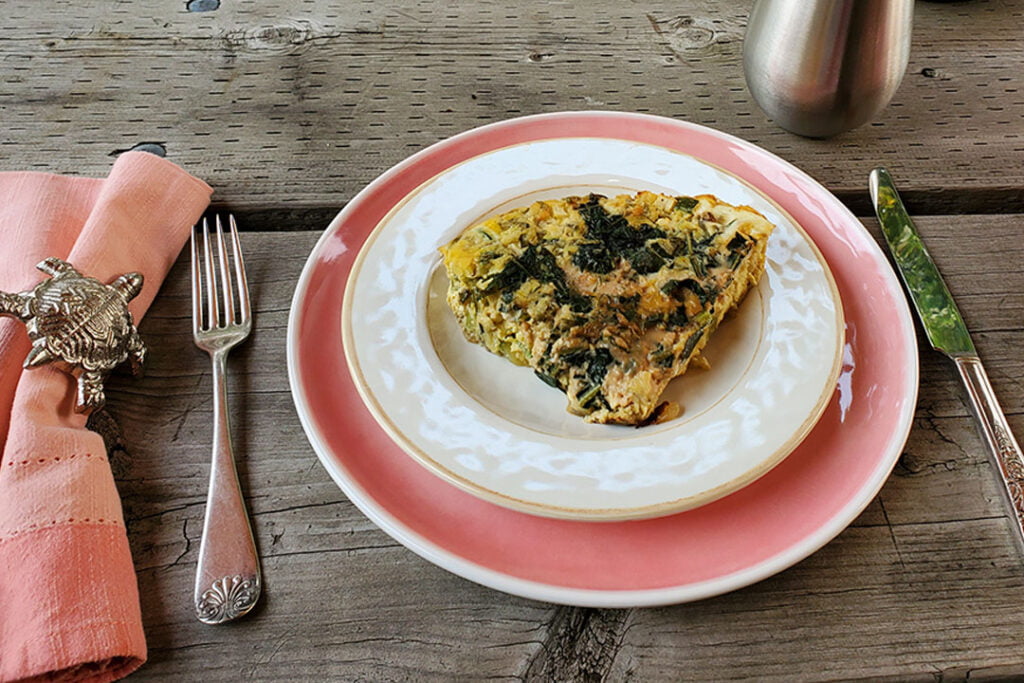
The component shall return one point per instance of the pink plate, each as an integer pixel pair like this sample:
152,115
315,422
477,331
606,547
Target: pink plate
751,534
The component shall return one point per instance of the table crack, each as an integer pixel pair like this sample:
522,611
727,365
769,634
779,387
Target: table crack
581,645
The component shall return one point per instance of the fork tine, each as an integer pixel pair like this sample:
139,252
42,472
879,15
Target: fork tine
228,302
212,313
197,293
243,284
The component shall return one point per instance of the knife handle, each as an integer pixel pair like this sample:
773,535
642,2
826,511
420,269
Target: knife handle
1002,446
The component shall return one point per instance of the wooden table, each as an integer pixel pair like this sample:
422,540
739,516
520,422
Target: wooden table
288,108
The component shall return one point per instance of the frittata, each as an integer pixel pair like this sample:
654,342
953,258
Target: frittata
607,299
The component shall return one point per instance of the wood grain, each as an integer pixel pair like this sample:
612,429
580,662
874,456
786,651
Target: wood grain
289,108
925,585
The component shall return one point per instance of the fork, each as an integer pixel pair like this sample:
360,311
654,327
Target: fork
228,580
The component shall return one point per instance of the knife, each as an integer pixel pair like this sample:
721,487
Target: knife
948,334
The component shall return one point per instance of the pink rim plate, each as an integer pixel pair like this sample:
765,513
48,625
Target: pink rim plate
747,536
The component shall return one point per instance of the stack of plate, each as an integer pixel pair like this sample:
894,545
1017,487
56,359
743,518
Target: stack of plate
474,464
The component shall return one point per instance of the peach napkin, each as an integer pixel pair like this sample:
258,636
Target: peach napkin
69,603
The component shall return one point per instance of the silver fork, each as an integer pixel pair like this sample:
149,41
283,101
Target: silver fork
228,574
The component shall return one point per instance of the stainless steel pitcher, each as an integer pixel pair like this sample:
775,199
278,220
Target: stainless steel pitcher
821,67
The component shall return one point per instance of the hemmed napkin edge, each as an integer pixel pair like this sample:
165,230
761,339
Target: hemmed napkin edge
111,647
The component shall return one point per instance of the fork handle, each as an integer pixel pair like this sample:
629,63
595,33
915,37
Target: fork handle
228,574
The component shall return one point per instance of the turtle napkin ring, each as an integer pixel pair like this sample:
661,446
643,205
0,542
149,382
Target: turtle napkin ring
81,325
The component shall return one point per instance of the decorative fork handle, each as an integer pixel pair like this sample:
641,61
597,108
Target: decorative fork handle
1002,446
228,573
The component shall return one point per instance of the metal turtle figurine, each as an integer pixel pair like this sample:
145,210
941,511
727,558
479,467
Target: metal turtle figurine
80,324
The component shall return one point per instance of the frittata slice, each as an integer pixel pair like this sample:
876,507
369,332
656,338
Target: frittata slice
607,299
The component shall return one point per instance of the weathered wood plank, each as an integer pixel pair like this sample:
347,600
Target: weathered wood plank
924,583
293,107
901,601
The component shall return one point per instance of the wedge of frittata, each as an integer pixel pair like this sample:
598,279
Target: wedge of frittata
605,298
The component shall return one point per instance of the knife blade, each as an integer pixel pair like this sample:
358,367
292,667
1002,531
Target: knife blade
947,333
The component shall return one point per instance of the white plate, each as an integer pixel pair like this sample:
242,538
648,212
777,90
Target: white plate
496,431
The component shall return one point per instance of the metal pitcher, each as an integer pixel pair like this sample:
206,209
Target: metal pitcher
821,67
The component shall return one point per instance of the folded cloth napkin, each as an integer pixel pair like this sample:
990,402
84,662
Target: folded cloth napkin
69,602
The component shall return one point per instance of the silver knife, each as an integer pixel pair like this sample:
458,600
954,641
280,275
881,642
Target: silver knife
947,333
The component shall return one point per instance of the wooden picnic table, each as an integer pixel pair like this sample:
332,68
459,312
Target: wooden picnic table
289,108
